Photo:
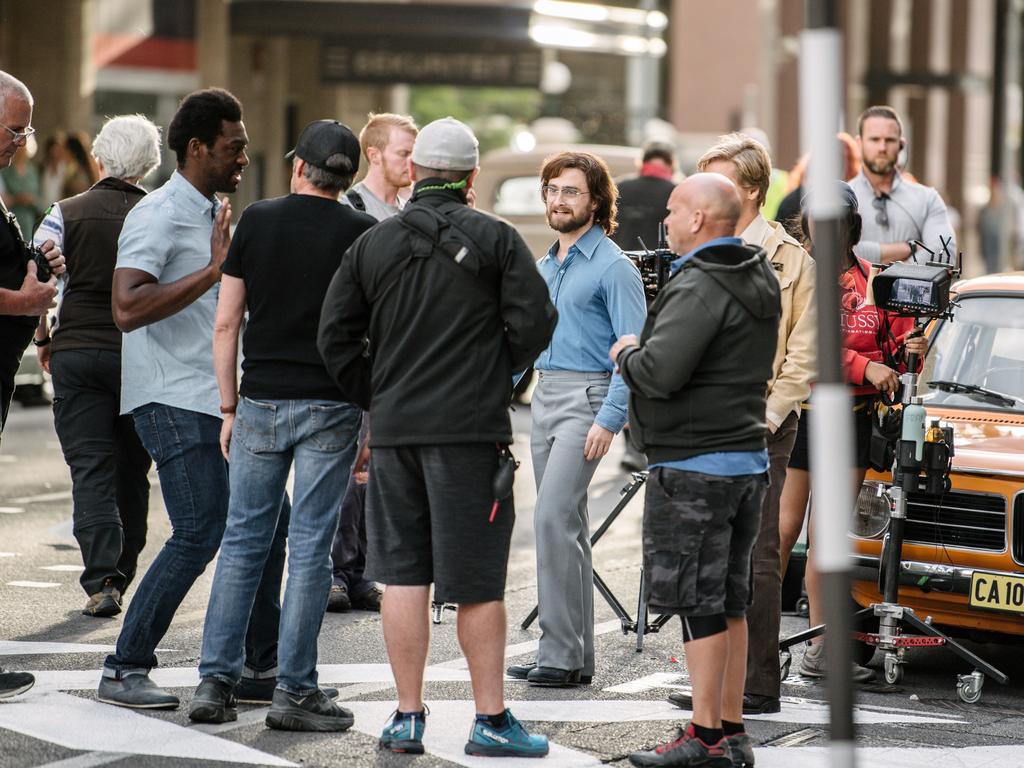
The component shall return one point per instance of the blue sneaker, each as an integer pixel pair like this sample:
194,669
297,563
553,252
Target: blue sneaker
511,741
405,733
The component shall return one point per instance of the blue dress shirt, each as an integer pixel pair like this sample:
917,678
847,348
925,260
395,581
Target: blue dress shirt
599,297
722,463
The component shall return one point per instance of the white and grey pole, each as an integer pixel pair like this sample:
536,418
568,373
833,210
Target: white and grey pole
831,437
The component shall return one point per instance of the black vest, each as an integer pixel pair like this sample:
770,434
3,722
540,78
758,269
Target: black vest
92,226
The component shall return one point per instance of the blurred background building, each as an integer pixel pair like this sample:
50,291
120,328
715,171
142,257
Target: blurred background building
525,71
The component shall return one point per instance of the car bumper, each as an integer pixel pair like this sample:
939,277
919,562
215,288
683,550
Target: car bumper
925,576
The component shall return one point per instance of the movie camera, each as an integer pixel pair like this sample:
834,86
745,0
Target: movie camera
654,265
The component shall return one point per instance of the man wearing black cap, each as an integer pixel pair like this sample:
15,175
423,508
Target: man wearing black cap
288,412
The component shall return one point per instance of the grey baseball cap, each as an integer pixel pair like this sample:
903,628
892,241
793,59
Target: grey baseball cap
446,145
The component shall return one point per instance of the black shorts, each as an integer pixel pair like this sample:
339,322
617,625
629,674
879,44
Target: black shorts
699,533
427,521
863,406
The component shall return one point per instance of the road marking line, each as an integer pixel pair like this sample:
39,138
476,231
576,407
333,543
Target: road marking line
11,510
62,567
34,584
40,497
88,760
82,724
8,554
6,458
31,648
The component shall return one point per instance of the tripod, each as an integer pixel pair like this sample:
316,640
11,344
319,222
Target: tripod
641,626
919,451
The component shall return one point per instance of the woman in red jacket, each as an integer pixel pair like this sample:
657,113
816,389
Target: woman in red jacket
875,349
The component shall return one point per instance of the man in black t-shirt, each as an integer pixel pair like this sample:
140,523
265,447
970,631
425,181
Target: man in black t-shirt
289,412
22,297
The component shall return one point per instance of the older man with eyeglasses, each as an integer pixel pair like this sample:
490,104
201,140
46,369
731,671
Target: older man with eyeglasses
23,298
900,216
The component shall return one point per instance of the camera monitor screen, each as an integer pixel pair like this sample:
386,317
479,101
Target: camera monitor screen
913,291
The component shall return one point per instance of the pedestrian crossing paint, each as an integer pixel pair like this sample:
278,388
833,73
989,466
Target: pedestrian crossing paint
62,568
11,510
82,724
30,648
8,554
33,584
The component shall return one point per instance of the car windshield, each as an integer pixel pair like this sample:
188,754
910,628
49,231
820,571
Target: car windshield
978,356
519,196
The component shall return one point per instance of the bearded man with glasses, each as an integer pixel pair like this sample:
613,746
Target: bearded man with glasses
578,406
898,213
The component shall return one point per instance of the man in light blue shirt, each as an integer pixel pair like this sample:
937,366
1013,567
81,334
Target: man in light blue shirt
164,297
578,406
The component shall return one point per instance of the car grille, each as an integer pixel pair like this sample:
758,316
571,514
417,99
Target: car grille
1018,528
957,519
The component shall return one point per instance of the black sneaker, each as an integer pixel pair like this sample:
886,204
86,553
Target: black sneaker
338,600
260,691
742,747
213,702
685,750
105,603
315,712
753,703
14,683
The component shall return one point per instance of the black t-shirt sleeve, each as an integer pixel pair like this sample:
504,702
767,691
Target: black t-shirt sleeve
233,263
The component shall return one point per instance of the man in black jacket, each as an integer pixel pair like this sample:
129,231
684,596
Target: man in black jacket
697,381
423,325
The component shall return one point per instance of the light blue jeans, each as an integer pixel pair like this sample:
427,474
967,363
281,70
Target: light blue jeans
319,436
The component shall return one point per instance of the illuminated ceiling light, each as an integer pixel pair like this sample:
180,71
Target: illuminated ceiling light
657,20
566,10
564,37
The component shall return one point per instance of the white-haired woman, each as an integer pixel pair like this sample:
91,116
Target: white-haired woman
82,351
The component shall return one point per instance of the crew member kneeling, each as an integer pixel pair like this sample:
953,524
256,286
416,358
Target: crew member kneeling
697,381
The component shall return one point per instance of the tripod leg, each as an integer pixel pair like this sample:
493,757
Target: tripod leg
801,637
978,663
613,603
530,618
641,613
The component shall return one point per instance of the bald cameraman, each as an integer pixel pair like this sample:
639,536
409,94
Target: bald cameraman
697,381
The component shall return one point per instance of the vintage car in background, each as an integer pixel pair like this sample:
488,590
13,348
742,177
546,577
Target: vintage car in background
963,554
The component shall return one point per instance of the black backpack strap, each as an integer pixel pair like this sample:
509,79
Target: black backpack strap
356,199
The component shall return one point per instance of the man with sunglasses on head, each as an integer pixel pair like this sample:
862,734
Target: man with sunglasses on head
899,214
578,406
23,298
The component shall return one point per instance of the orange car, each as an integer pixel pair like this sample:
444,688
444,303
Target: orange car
963,555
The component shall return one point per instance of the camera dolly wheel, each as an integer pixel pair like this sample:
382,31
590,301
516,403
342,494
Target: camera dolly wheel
785,662
893,669
968,687
803,607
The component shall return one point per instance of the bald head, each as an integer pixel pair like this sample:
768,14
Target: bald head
701,208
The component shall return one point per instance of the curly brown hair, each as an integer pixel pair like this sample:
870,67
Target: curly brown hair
599,183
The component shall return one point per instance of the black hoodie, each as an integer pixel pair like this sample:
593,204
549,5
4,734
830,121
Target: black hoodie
699,378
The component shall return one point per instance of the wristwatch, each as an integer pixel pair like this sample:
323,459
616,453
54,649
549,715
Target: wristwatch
41,342
913,247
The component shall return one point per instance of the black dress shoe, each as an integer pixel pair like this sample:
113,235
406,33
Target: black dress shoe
213,702
553,677
756,704
753,704
522,672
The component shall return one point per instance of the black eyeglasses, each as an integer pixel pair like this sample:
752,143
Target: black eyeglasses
881,213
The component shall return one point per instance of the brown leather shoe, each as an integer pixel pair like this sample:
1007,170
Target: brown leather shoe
105,603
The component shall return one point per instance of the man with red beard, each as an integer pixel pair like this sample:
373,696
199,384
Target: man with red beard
578,406
897,213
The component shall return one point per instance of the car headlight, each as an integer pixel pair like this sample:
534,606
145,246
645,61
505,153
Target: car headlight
871,514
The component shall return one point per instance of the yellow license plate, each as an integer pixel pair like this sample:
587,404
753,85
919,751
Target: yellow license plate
997,592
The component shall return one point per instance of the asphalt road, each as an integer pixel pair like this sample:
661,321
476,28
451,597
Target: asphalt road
60,724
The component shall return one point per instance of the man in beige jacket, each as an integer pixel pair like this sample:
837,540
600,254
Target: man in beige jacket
747,163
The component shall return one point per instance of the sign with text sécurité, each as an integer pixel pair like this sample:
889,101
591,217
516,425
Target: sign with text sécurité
431,60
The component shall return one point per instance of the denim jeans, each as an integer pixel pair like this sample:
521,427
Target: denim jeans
109,466
319,437
194,481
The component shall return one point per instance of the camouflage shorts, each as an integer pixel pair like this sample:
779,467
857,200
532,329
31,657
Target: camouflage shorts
699,532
